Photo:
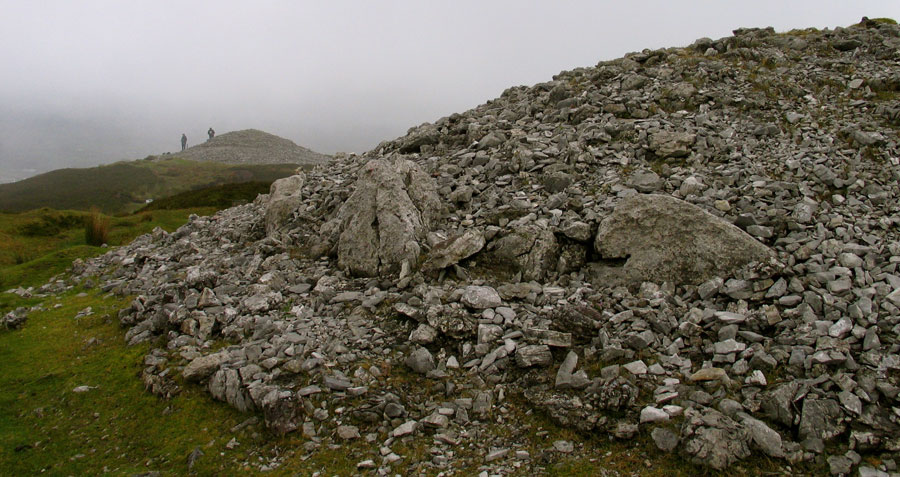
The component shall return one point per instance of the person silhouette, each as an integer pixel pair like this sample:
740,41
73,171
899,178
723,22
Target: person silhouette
211,133
183,141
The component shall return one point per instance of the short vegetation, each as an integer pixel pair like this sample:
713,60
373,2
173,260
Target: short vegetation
220,196
125,187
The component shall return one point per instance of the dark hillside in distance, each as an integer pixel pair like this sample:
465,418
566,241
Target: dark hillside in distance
219,196
125,186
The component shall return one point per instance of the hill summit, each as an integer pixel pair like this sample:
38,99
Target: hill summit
252,146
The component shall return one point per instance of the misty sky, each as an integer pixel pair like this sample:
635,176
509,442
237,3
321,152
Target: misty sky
89,82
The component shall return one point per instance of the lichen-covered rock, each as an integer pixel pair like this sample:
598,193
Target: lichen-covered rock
281,410
454,249
382,224
664,239
203,366
284,199
821,419
672,144
531,250
14,319
713,439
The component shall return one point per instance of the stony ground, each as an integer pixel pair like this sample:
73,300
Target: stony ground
699,245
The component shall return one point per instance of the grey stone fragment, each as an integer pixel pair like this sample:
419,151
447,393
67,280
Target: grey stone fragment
420,361
335,383
281,411
764,437
533,355
665,439
489,334
348,432
625,430
564,373
483,403
423,334
672,144
778,403
866,471
650,414
436,420
14,319
203,366
454,249
556,339
729,346
577,230
636,368
404,429
530,250
194,456
645,181
481,297
820,419
284,200
496,454
710,438
839,465
710,287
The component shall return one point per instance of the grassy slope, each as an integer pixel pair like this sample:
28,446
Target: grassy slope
225,195
29,260
45,427
124,186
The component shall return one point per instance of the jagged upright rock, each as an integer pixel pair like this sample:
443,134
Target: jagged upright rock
382,224
664,239
284,198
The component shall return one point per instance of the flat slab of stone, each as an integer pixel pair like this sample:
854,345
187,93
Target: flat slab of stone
664,239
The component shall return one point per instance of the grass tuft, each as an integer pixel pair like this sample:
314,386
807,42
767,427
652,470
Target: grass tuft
96,229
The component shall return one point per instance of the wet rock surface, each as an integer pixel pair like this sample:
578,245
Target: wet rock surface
759,178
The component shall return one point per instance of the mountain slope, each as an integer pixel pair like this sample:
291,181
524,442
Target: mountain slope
526,287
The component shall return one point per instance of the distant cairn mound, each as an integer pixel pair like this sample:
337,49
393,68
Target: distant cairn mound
252,146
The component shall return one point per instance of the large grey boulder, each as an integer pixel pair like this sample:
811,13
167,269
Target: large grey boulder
665,239
382,223
284,199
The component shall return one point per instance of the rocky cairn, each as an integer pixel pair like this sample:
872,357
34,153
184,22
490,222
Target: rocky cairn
251,146
701,242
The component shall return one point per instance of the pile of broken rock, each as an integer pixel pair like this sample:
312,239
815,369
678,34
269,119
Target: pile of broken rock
699,241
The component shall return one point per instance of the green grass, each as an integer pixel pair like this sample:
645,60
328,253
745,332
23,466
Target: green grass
117,426
45,427
221,196
29,259
124,186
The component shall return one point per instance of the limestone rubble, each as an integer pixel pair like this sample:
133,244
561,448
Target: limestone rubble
774,162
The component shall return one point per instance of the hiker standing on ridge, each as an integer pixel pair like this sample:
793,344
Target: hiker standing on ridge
211,133
183,141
